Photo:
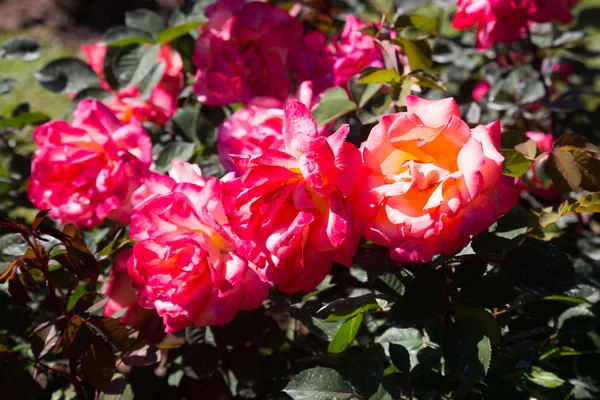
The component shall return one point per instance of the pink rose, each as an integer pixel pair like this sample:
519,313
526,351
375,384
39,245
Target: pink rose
121,296
86,171
127,103
313,61
288,208
429,182
482,88
185,264
251,130
505,20
244,52
354,51
536,180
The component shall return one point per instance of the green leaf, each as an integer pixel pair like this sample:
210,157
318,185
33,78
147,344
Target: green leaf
333,104
145,20
146,85
20,48
181,151
380,76
385,7
184,124
487,321
515,163
123,36
345,335
528,149
342,309
417,307
540,268
418,53
425,79
67,75
412,33
563,170
93,93
400,357
7,85
148,71
174,32
544,378
576,321
589,166
23,120
320,384
467,351
420,22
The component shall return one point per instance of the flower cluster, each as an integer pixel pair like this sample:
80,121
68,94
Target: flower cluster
298,197
506,21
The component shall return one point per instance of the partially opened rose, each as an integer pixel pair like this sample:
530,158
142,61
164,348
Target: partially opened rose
429,182
86,171
481,89
258,127
536,180
185,264
288,208
128,103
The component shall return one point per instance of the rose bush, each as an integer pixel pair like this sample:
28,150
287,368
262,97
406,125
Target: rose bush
349,200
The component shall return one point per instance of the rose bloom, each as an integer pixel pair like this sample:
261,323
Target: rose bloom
245,51
122,298
257,127
354,51
536,180
86,171
505,20
185,264
314,61
251,130
482,88
288,208
126,103
429,182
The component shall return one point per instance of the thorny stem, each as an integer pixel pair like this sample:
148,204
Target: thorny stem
75,379
537,64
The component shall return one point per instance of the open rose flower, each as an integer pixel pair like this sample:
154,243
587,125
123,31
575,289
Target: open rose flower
127,103
429,182
288,208
244,51
185,264
87,171
536,180
505,21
